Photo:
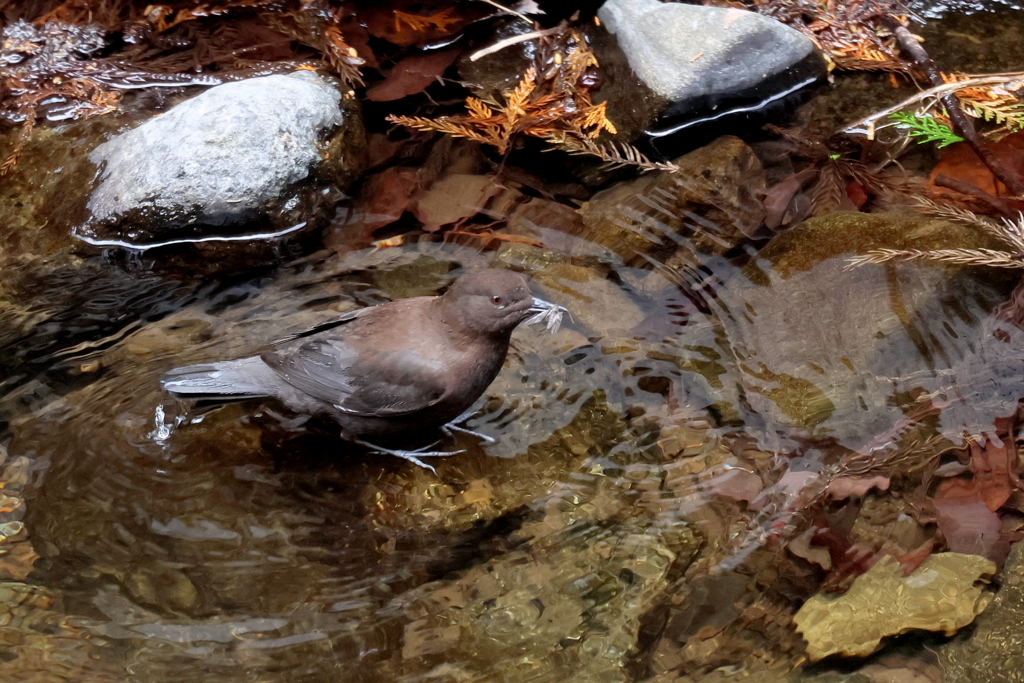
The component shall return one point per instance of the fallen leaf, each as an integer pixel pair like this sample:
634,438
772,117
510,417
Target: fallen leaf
845,487
397,23
412,75
970,527
857,194
801,547
941,595
737,484
453,199
385,197
961,163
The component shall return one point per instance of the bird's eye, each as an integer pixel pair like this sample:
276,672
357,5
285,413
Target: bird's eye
496,300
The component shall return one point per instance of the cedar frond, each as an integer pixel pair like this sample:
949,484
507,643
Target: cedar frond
963,257
421,24
595,118
829,191
552,104
952,213
516,101
441,124
478,109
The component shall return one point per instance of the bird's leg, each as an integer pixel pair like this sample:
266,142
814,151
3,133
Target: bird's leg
454,426
411,456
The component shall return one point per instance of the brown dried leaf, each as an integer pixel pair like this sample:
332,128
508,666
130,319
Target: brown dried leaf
453,199
412,75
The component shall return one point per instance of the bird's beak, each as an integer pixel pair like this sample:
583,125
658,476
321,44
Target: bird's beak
546,312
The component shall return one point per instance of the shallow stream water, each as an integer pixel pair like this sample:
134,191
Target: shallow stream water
590,542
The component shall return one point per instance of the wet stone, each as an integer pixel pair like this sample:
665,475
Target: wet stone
266,153
989,653
694,68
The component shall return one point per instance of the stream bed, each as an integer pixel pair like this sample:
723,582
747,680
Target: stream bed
655,461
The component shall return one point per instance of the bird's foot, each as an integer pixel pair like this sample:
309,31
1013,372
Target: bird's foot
411,456
452,427
456,426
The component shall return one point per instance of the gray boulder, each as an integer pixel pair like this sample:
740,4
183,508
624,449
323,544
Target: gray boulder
687,65
262,155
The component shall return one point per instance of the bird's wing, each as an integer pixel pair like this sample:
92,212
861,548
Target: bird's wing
346,317
383,382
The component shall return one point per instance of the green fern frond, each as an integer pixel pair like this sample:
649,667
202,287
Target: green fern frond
925,128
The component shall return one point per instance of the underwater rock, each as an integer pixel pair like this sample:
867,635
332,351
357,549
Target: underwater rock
270,153
714,198
941,595
989,653
834,352
691,67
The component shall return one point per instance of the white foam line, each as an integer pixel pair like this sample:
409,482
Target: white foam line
213,238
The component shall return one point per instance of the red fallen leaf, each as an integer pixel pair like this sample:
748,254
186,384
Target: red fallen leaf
849,559
845,487
383,199
385,196
397,23
737,484
970,527
412,75
961,163
994,479
911,560
781,201
857,194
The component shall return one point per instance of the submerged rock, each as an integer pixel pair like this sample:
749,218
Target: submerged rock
988,654
714,198
269,153
690,65
837,353
941,595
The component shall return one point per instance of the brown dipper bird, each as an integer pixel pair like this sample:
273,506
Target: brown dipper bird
390,371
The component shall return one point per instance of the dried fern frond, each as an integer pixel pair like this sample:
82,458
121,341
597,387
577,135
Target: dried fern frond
1007,231
962,257
615,155
550,104
953,213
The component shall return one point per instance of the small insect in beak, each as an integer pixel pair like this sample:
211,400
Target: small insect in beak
546,312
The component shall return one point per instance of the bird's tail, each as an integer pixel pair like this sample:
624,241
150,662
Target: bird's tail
222,381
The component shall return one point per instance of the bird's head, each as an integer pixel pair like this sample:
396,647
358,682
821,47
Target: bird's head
493,302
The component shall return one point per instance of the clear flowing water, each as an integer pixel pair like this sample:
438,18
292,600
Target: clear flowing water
243,543
626,525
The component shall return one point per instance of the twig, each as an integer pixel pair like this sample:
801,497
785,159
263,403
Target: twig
502,44
962,123
1001,207
866,126
509,11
